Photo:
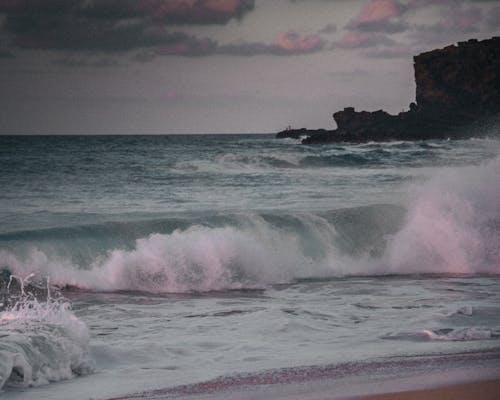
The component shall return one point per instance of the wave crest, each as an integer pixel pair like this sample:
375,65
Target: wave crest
453,224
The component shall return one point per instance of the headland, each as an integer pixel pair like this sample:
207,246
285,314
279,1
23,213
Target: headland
457,96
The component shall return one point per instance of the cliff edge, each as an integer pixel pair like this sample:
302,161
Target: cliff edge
457,93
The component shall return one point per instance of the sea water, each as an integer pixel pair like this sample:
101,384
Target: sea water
196,258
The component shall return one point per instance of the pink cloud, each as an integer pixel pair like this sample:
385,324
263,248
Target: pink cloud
379,16
292,42
425,3
378,10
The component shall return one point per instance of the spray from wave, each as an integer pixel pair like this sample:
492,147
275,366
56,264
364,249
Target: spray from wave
452,225
41,342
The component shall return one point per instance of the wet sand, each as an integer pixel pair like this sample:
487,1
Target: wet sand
329,390
460,376
483,390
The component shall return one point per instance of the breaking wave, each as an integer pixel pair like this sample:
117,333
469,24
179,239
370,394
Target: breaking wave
451,225
41,342
207,253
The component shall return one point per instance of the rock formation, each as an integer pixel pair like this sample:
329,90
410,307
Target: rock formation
457,93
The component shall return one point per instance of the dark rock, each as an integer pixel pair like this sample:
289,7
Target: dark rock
457,94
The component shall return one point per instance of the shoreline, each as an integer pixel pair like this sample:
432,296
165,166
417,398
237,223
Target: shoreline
484,388
440,377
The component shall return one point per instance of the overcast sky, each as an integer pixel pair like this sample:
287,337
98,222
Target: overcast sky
208,66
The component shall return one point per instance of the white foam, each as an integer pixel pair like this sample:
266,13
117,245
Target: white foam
461,334
42,342
200,258
452,225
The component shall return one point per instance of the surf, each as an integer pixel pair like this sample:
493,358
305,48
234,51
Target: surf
41,341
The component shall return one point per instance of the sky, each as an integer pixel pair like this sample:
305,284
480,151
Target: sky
216,66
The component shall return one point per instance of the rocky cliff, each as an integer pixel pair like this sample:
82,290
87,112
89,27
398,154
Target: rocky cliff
457,92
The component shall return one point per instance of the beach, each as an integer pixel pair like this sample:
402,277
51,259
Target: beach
484,390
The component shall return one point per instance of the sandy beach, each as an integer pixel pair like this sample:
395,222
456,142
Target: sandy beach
484,390
416,380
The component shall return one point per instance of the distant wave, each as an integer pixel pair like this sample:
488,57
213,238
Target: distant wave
364,155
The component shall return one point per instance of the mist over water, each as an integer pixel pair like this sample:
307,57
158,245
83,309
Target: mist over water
318,231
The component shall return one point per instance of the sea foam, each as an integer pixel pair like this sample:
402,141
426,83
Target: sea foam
41,342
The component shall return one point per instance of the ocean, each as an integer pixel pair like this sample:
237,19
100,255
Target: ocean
185,265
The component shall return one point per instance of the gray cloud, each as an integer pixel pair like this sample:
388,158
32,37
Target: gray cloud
109,25
89,61
356,40
148,26
197,12
6,54
330,28
380,26
493,19
456,20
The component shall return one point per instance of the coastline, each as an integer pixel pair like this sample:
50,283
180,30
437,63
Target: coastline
452,101
487,388
443,377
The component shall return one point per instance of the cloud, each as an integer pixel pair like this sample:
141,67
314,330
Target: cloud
88,61
285,43
172,11
70,34
329,28
379,16
182,44
355,40
6,54
456,21
493,18
292,42
459,19
112,25
196,11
